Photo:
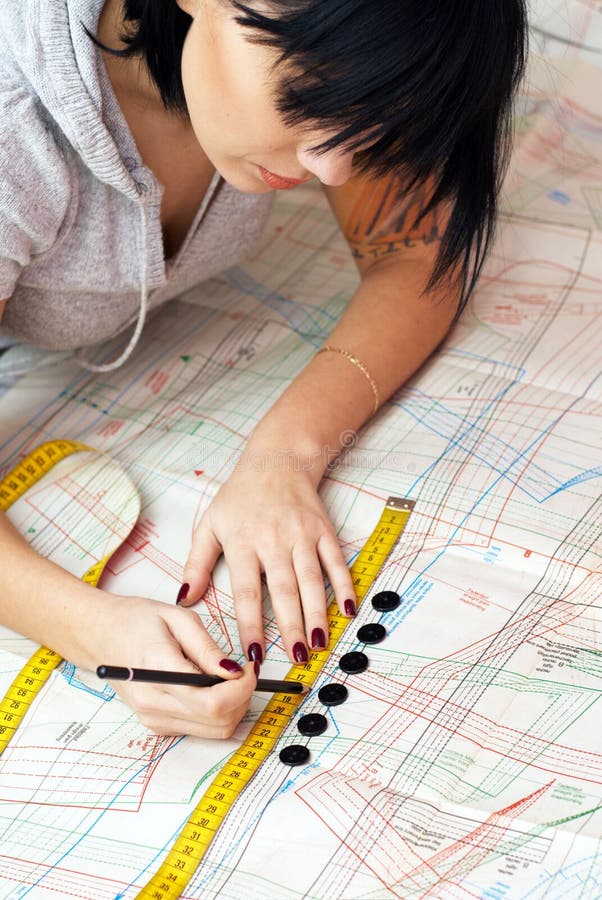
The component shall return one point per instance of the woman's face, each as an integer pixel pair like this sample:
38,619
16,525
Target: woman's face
230,89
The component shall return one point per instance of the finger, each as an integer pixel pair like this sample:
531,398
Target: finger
150,703
284,594
156,700
170,725
214,705
185,727
333,563
204,712
310,581
204,553
198,645
245,579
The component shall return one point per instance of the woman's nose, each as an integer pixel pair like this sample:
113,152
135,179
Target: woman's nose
332,167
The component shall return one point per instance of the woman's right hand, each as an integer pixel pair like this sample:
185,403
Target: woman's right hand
142,633
92,627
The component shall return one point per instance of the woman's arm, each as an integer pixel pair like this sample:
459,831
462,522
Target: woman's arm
268,517
390,323
89,627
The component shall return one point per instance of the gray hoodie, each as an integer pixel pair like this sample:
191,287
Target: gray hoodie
81,248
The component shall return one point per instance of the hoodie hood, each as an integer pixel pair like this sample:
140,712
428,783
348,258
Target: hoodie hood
56,68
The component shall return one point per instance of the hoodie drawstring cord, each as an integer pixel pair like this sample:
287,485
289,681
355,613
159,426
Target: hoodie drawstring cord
109,367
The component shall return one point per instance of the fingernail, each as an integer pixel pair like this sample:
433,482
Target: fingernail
183,592
257,667
318,639
349,608
230,666
300,652
255,653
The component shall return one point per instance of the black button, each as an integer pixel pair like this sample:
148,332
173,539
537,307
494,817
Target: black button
312,724
373,633
354,662
333,694
295,755
385,601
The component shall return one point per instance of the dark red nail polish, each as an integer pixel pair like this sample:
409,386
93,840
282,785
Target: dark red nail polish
255,653
183,592
230,666
300,653
318,639
257,667
349,608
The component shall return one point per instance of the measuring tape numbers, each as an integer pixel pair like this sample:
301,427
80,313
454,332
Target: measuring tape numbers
189,848
37,670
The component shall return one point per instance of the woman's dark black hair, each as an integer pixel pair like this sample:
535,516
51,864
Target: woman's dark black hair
430,81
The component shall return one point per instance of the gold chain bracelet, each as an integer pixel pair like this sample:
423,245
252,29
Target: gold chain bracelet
360,365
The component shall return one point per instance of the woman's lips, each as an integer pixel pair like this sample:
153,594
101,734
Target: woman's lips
279,181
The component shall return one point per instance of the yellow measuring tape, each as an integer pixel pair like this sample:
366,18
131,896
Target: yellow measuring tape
190,846
36,671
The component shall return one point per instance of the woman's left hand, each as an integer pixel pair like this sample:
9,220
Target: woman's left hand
269,518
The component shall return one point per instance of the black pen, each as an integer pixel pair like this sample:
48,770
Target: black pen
194,679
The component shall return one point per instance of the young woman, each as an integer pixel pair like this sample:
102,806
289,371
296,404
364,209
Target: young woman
140,144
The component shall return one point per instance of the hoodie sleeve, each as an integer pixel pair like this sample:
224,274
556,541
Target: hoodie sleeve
34,185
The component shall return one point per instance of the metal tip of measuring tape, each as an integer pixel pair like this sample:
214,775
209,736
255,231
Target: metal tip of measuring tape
401,503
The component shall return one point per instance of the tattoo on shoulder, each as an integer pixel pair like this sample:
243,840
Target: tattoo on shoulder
380,223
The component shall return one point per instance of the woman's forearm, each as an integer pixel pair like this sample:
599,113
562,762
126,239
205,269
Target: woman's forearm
43,601
392,328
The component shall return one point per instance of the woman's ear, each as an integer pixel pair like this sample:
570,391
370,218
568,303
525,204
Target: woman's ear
188,6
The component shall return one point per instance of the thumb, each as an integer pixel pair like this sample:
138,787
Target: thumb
200,648
204,553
